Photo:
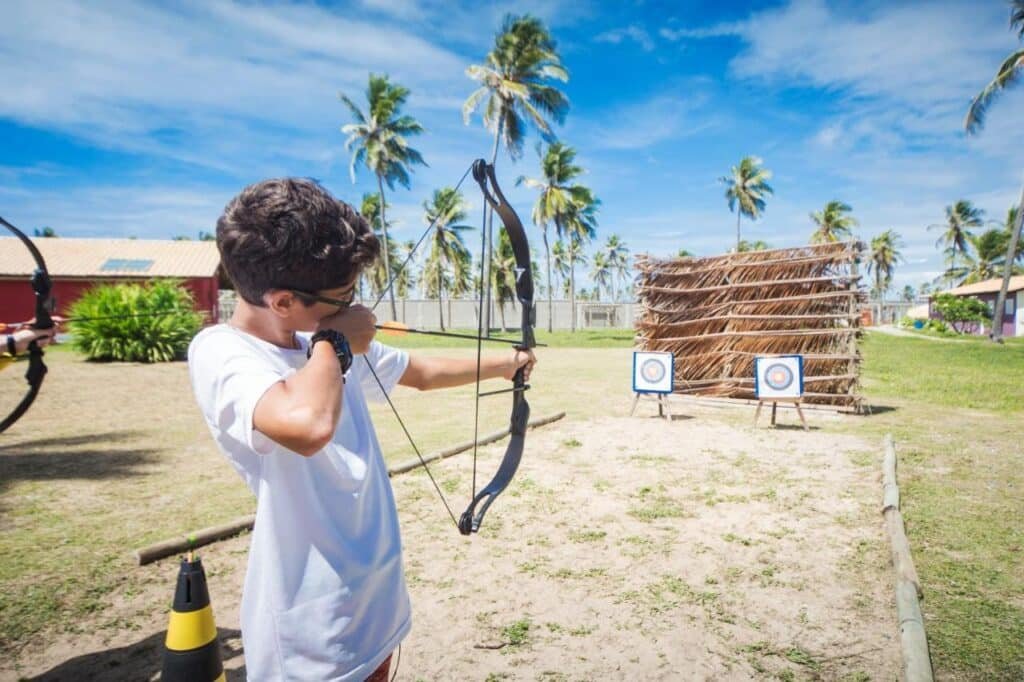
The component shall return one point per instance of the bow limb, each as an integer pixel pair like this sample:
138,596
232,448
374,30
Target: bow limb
44,304
471,519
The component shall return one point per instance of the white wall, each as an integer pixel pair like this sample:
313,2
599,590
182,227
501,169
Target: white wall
1020,313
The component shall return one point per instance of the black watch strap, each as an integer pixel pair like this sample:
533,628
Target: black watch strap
338,342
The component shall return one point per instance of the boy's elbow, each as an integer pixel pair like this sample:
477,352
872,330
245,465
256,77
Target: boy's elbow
314,430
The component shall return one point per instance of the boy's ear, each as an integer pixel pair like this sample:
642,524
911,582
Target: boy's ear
282,302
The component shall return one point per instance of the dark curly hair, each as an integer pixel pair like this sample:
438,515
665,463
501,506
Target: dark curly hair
291,233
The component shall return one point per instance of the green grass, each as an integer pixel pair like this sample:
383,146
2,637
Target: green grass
957,412
73,466
972,372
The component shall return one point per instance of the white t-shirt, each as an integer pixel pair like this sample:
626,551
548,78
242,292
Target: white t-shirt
325,595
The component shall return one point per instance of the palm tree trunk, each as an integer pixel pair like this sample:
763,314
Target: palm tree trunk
387,250
1011,252
572,286
547,255
440,297
489,227
738,214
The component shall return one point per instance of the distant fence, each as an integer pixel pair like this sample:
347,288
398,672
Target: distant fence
462,313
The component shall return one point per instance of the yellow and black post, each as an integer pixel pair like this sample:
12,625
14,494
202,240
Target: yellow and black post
192,649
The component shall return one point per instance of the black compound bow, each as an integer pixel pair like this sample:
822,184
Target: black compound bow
470,520
42,286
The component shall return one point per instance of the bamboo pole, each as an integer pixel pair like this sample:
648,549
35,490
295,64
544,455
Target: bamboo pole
747,285
206,536
917,666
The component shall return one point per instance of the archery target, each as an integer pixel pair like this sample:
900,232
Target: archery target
652,372
779,377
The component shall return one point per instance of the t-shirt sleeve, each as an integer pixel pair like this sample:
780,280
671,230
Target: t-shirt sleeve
229,376
388,364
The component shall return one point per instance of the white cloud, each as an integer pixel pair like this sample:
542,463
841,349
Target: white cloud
634,33
201,76
648,122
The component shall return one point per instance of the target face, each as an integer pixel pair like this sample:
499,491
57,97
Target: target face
779,377
652,372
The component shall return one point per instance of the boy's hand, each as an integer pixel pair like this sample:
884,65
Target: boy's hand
520,358
356,322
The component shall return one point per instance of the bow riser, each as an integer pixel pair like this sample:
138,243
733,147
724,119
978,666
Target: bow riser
42,285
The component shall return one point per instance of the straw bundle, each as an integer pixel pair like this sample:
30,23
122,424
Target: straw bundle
717,314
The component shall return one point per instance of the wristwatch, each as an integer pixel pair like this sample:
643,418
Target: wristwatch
340,343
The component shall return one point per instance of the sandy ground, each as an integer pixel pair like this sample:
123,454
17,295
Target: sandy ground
624,549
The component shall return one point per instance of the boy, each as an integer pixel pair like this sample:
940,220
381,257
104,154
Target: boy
324,595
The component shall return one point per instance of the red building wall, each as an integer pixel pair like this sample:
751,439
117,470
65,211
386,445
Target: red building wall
17,301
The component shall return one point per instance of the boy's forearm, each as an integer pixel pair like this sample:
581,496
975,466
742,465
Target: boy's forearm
448,372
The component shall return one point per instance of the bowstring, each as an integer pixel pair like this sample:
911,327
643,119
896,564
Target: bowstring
484,275
411,441
412,252
380,384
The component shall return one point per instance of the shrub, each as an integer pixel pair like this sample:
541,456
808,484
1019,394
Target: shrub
959,311
135,323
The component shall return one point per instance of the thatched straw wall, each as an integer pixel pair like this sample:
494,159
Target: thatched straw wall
717,314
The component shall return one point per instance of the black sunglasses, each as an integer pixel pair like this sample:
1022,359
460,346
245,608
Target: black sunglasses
340,302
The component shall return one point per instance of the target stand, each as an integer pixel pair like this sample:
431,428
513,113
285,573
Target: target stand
652,380
779,379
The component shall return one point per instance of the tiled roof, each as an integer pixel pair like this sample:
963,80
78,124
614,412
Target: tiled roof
99,258
989,286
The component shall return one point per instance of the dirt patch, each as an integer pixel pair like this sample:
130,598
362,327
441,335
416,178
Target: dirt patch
625,548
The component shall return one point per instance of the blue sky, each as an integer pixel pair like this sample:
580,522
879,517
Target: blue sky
136,119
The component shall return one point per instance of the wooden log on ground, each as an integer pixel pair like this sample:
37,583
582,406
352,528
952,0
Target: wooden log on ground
462,447
199,538
917,665
206,536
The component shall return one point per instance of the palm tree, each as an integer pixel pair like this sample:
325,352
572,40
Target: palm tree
989,253
558,193
579,227
834,223
960,217
617,256
746,188
503,274
378,274
909,294
756,245
560,264
1007,74
884,256
405,279
601,273
1007,233
514,80
379,140
449,260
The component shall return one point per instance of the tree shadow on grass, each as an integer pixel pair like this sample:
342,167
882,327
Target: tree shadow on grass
139,661
54,459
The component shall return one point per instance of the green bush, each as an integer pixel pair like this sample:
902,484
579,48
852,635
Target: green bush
959,311
135,323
